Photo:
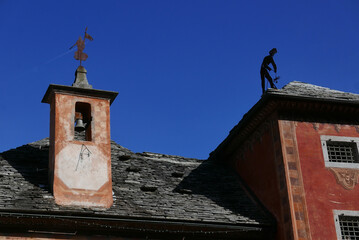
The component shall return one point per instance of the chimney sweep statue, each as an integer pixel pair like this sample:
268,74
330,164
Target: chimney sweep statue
79,54
265,69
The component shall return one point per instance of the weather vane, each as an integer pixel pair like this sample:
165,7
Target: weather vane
79,54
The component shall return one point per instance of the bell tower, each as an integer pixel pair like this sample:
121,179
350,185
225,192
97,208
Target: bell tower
80,148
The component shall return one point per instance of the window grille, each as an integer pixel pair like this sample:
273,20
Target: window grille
343,152
349,227
340,151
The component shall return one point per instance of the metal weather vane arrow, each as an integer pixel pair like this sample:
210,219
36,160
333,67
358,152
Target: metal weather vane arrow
79,54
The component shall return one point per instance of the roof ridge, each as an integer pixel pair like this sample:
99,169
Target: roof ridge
161,155
313,85
308,90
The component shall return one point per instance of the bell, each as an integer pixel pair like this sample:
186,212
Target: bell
79,125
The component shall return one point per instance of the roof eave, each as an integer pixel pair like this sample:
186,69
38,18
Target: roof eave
43,221
55,88
269,101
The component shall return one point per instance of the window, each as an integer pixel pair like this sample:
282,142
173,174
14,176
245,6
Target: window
341,152
82,122
347,224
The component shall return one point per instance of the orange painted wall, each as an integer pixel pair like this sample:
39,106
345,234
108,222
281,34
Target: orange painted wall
62,138
257,166
323,194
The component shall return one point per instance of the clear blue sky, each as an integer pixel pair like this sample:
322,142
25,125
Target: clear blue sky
186,71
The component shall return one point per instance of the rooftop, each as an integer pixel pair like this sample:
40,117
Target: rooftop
145,186
297,98
306,90
152,186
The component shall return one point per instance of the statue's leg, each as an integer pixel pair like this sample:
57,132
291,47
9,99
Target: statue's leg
263,81
270,80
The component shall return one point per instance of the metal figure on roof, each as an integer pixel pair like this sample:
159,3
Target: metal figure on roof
265,69
79,54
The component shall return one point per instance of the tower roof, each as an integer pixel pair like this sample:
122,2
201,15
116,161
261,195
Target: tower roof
79,87
81,78
78,91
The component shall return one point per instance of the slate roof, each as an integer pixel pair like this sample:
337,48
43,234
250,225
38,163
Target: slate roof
145,186
306,90
296,92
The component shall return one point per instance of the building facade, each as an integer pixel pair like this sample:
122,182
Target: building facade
287,171
297,150
80,184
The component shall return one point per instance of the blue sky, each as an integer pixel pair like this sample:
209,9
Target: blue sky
186,71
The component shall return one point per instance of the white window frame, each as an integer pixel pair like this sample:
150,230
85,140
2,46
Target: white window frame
336,214
325,138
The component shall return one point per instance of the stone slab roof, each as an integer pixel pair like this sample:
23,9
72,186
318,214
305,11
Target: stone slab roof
145,186
306,90
294,91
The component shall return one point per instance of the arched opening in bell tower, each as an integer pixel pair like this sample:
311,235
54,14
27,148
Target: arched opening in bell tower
82,122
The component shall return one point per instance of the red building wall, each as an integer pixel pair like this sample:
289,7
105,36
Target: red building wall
259,163
322,192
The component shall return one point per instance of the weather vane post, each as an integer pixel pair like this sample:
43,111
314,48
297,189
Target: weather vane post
79,54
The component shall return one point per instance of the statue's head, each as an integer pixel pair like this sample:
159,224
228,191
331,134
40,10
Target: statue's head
273,51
